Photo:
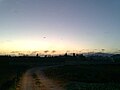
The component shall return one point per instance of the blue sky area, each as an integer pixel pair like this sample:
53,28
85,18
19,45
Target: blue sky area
59,25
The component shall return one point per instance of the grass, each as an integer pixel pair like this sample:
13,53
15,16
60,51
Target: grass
9,75
87,77
72,77
92,86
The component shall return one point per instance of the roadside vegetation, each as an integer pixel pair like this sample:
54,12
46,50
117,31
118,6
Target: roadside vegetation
9,74
75,71
86,77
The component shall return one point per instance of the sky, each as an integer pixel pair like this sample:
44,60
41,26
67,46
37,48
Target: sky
30,25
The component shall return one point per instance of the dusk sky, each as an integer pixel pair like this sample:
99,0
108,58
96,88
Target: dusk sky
30,25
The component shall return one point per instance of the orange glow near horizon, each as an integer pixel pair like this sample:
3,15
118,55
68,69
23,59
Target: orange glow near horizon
35,45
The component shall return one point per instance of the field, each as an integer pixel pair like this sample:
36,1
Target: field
73,73
10,74
86,77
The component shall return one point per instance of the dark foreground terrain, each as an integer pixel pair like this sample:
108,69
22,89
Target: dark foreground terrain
86,77
70,72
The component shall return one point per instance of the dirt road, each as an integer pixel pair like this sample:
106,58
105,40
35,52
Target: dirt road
34,79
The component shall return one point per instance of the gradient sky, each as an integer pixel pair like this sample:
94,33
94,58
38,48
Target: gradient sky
59,25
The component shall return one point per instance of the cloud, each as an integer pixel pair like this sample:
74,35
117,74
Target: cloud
34,52
46,51
15,52
103,50
21,54
53,51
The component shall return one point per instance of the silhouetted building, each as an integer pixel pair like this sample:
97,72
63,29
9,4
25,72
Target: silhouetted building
74,54
37,55
65,54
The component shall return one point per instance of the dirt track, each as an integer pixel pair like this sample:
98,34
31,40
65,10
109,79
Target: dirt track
34,79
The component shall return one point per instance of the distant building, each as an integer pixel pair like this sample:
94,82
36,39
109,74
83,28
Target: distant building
37,55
